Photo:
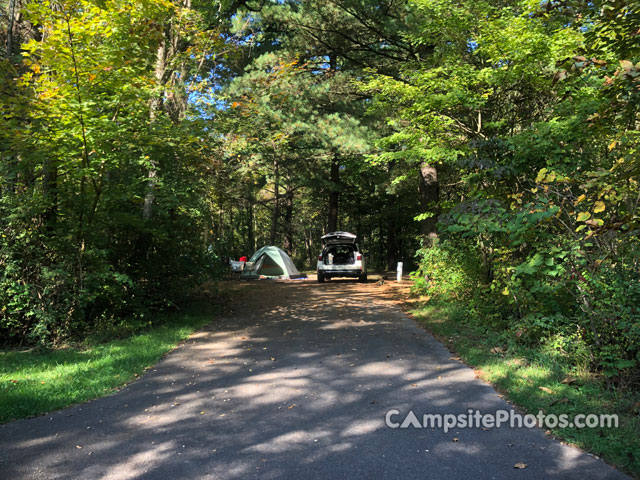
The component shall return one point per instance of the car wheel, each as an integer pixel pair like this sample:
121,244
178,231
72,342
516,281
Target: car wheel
320,278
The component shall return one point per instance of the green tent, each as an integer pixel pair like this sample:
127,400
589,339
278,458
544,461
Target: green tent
270,262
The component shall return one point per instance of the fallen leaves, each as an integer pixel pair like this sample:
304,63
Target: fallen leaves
546,390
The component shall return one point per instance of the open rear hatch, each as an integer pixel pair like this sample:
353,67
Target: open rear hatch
339,238
338,255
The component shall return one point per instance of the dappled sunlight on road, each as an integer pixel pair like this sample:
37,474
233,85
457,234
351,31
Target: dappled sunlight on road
295,382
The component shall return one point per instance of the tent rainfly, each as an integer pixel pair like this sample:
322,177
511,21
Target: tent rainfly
270,262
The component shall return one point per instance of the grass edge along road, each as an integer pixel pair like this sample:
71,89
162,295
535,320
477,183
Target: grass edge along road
39,381
536,380
36,382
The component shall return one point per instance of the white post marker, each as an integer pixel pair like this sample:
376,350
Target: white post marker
399,278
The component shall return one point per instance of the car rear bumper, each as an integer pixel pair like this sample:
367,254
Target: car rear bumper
340,273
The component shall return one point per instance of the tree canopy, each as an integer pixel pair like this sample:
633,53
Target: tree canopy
491,146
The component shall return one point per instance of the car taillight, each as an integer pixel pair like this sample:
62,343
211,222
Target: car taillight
359,257
319,257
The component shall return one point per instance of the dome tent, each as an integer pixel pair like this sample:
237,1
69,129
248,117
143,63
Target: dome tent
270,262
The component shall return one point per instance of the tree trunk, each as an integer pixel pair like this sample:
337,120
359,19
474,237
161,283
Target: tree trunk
250,245
288,217
334,176
154,109
220,228
380,256
392,247
178,98
309,243
334,196
168,48
14,12
333,63
429,199
50,193
276,203
14,25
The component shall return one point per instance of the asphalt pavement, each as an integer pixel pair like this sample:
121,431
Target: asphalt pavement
295,384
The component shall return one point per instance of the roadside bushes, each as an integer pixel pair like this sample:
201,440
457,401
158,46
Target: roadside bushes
104,173
50,290
447,269
519,273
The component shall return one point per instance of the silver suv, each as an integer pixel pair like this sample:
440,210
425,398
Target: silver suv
341,257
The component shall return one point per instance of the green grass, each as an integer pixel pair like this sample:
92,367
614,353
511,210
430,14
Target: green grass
36,382
532,378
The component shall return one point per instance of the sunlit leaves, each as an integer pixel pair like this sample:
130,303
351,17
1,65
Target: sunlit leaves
583,216
82,144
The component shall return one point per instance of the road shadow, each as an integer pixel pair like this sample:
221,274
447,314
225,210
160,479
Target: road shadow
294,383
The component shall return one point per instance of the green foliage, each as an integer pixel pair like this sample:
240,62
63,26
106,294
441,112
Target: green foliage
447,270
83,132
144,143
534,115
289,115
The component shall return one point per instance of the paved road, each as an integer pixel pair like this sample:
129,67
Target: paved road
295,384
